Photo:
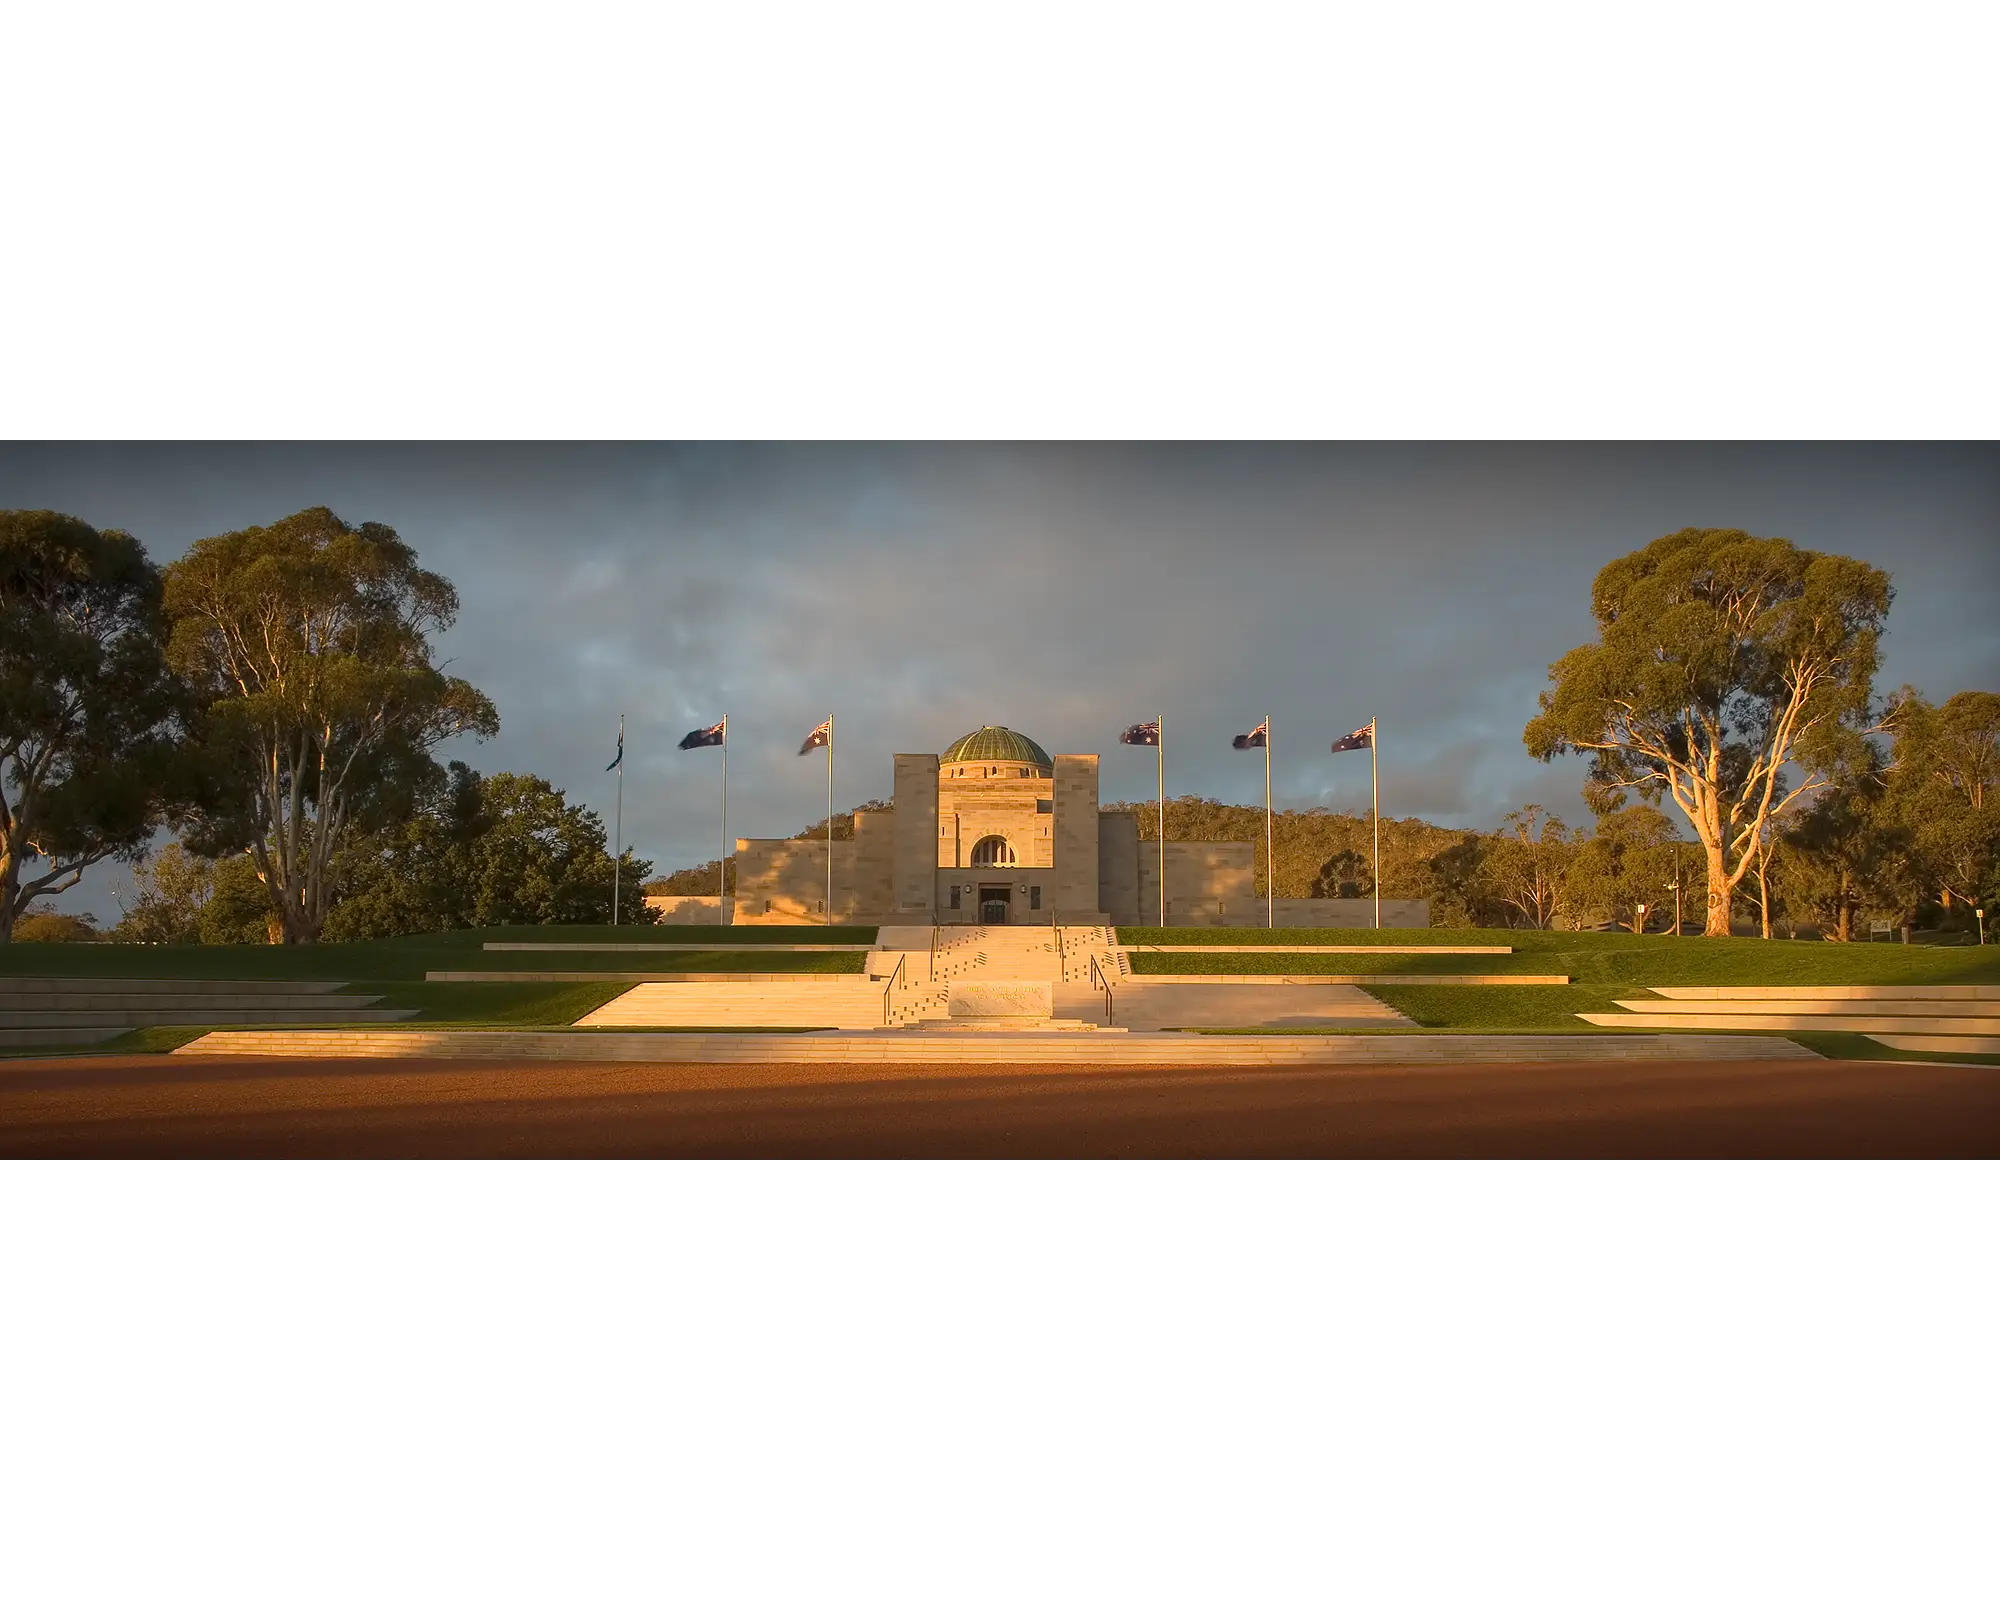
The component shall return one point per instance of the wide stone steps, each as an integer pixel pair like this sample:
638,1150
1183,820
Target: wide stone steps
1070,1048
280,1006
1828,1008
158,988
120,1018
20,1038
1959,1018
1835,991
1796,1021
81,1011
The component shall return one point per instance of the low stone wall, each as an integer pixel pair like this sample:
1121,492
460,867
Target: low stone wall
1246,912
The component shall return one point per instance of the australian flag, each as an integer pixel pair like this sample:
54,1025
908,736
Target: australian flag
704,736
1141,733
819,738
1256,739
1359,739
619,759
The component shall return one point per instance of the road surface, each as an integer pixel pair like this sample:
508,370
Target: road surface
162,1106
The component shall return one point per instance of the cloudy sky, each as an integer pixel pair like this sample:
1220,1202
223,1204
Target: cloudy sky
919,591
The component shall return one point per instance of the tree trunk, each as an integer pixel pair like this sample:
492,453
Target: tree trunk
1718,895
1844,926
1763,894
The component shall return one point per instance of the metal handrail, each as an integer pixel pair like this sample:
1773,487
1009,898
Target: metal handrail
1097,976
889,992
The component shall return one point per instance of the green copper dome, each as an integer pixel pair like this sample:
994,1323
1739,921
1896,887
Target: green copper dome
996,744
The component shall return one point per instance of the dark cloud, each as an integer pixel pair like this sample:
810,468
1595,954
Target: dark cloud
917,591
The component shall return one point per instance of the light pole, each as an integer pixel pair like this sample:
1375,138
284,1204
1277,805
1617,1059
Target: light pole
1980,913
1639,923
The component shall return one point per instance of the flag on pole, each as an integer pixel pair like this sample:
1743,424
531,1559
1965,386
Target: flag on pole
706,736
1141,733
819,738
1258,738
618,761
1359,739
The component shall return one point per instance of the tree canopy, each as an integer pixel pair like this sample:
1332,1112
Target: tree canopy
508,850
1946,792
90,715
1721,661
310,642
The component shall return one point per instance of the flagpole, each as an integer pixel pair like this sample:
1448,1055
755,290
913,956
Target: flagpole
618,823
1270,861
829,819
1160,726
722,867
1375,795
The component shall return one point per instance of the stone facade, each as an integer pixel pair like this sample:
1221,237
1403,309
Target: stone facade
690,908
996,830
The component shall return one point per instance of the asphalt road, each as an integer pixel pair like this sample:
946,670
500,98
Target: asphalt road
153,1106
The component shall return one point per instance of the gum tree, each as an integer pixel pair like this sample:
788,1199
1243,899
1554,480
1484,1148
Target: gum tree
1721,661
310,644
89,713
1946,783
1527,864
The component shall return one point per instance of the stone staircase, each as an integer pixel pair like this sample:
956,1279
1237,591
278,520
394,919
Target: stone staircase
1080,944
1961,1019
80,1011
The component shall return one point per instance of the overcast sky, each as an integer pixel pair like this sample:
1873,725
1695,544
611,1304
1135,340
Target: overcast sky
918,591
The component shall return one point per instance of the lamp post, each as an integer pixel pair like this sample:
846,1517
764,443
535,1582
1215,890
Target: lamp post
1639,922
1980,913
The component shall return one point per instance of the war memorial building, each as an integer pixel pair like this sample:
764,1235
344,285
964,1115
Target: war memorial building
996,830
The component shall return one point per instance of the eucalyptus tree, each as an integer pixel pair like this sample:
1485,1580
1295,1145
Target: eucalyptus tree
89,712
311,644
1946,784
1526,865
1721,661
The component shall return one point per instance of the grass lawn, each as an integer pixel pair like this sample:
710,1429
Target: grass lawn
1550,1008
1595,959
494,1005
1195,961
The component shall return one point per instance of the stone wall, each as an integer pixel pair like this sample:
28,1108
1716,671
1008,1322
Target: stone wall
1074,889
1021,885
1350,913
1248,911
1204,876
1118,866
1015,808
784,880
915,824
689,908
